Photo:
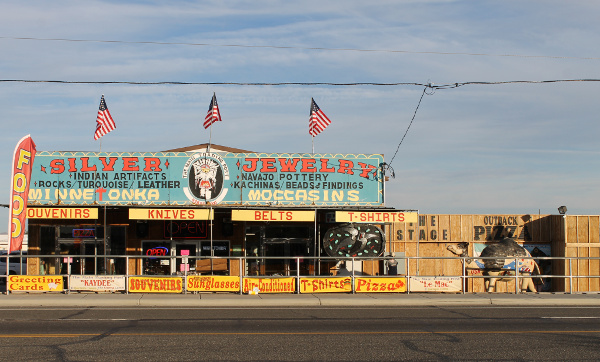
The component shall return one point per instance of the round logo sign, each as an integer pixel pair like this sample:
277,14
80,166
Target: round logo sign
206,174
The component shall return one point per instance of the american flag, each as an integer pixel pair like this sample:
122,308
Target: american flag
104,121
213,114
318,120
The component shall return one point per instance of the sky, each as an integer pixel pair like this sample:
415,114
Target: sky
508,148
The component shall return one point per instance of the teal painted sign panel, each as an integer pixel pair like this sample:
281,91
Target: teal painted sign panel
183,178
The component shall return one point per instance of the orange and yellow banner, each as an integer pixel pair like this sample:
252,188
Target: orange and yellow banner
376,217
35,283
379,285
85,213
155,285
269,285
212,283
20,179
326,285
272,215
171,214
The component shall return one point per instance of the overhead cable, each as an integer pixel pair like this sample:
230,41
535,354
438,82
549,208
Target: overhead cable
410,124
298,47
430,86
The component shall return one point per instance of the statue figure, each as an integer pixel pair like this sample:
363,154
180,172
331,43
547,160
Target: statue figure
506,252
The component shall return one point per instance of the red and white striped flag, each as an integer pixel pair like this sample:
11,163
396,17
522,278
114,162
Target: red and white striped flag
213,114
318,120
104,121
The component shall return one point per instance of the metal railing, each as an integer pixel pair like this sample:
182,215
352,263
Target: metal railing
296,267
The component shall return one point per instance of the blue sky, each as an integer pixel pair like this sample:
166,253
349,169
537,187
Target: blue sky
493,149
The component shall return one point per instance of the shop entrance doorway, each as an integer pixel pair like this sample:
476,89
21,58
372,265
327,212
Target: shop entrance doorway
288,249
282,244
185,252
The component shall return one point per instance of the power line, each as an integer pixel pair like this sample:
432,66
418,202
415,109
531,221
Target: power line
206,83
428,85
389,165
298,47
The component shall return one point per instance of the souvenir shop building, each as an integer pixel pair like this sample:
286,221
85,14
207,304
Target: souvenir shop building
194,203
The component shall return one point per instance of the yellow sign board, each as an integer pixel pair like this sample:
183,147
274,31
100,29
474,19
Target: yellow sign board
212,283
379,285
325,285
376,217
269,285
155,285
35,283
62,213
171,214
272,215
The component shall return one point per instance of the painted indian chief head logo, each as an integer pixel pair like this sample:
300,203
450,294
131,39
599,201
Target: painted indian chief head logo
206,174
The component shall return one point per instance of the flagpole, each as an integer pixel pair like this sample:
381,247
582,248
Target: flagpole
313,144
101,137
209,140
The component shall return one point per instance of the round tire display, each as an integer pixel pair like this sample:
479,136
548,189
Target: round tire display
354,240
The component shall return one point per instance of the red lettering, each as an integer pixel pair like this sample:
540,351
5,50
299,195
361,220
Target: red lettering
346,167
268,165
58,166
252,166
85,166
308,165
324,168
152,164
288,165
366,169
130,164
101,192
72,167
110,166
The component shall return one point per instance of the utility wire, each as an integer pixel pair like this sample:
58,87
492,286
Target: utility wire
410,124
431,86
206,83
296,47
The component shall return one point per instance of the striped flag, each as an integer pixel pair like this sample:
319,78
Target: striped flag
318,120
104,121
213,114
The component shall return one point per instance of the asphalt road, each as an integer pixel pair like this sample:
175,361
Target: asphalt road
299,333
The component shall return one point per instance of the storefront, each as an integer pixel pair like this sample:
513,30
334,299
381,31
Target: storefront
189,211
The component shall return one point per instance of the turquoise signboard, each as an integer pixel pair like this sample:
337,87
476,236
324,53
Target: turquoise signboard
182,178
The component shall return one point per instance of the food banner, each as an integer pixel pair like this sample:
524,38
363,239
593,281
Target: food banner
326,285
269,285
213,283
379,285
435,284
186,178
20,185
35,283
155,285
97,283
